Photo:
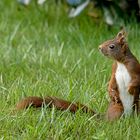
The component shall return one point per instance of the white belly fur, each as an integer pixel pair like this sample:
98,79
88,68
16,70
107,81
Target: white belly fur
123,79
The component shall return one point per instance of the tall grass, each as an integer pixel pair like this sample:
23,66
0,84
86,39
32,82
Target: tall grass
42,52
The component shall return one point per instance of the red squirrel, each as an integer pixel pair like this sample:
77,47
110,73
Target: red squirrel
124,85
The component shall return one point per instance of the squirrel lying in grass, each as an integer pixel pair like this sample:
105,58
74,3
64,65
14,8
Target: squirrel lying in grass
124,85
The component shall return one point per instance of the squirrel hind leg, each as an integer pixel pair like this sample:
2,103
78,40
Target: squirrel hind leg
29,101
114,112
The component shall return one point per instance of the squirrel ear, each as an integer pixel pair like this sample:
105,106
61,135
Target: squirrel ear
121,33
121,36
121,40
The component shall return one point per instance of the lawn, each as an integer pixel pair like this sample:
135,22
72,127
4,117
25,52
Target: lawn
43,52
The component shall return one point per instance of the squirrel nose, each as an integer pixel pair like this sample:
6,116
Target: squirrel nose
100,47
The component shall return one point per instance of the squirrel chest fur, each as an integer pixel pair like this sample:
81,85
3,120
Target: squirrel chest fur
123,79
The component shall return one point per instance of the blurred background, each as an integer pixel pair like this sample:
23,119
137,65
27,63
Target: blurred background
109,10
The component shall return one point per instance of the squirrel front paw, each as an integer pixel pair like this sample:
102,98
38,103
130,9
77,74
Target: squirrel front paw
132,90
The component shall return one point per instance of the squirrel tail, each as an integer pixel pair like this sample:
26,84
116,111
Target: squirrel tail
59,104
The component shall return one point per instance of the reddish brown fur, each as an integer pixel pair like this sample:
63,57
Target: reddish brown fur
123,55
29,101
52,101
114,111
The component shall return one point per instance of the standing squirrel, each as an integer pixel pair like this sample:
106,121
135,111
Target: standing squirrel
124,85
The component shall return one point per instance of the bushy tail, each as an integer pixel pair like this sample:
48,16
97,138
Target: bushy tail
59,104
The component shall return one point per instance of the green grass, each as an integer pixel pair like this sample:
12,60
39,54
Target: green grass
42,52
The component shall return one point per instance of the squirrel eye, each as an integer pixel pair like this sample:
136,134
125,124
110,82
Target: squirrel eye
112,46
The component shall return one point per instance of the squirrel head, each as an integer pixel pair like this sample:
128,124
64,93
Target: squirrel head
115,48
